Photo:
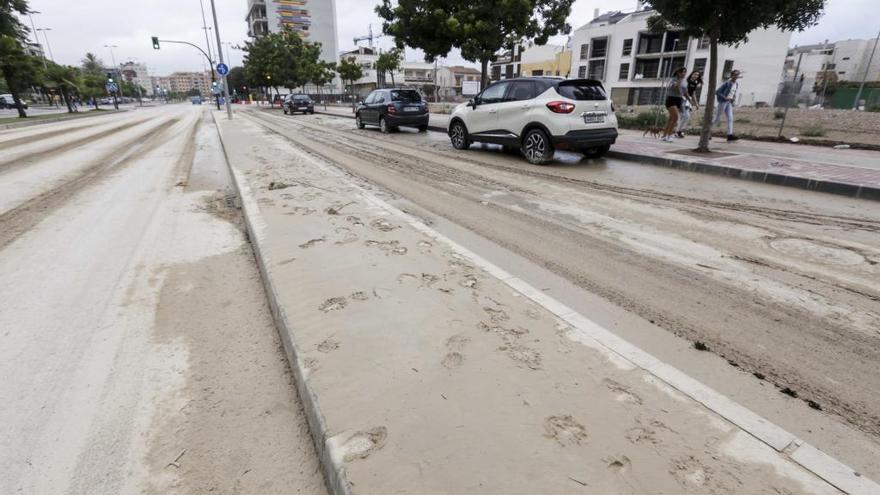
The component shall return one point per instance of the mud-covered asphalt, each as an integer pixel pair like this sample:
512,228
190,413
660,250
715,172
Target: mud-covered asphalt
782,284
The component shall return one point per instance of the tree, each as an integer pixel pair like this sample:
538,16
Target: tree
280,59
479,28
19,70
236,80
322,73
389,62
729,22
65,79
350,70
94,80
92,65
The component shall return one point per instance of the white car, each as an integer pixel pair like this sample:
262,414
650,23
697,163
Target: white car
538,115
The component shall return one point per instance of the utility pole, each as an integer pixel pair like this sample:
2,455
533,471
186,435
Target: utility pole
36,39
825,70
44,30
220,44
788,104
865,77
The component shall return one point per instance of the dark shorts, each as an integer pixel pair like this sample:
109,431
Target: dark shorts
674,101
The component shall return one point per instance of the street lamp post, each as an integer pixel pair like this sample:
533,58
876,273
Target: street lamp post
220,56
36,39
45,30
116,67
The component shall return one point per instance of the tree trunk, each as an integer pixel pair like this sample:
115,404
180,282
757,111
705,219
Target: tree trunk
710,96
484,74
18,105
66,100
393,84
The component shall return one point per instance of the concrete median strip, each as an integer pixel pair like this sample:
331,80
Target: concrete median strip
424,368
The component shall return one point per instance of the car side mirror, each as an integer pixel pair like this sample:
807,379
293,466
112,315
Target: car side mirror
472,102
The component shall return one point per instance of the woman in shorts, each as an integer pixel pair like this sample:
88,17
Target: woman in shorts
675,95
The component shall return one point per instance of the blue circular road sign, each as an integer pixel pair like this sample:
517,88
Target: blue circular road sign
222,69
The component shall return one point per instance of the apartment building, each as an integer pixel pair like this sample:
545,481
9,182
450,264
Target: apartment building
844,60
546,60
183,82
135,73
313,20
633,63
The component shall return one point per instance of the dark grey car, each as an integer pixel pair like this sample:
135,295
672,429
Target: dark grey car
393,108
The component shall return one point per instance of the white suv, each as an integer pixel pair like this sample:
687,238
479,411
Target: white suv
538,115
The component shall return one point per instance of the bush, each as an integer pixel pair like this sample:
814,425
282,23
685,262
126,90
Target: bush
813,131
641,120
778,114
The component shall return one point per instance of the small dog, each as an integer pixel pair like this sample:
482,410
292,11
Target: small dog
653,131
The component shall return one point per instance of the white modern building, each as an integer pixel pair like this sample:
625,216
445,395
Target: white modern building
634,64
136,73
844,60
313,20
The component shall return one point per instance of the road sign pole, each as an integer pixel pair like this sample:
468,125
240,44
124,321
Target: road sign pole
220,56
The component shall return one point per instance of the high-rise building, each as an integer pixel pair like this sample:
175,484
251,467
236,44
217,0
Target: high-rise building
313,20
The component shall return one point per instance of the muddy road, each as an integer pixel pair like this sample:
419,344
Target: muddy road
784,285
132,315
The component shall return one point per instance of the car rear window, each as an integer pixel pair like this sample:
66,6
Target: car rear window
406,96
582,90
301,97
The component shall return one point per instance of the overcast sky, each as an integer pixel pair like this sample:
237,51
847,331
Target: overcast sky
91,24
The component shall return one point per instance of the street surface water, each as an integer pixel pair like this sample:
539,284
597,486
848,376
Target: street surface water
137,351
779,285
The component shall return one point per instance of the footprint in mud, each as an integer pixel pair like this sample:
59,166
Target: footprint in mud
287,196
469,282
624,394
392,247
328,346
565,430
363,443
425,244
309,196
301,211
313,243
452,360
641,434
333,304
356,221
457,342
359,296
619,464
383,225
266,202
347,238
407,278
497,315
509,335
524,355
689,471
312,364
274,186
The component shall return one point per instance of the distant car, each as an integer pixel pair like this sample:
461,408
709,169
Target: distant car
538,115
393,108
7,101
106,101
298,103
196,100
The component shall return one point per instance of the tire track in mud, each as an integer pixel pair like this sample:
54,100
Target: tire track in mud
643,195
21,161
23,218
684,302
9,143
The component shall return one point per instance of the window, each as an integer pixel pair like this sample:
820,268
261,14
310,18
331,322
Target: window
845,58
581,91
647,69
406,96
623,75
380,98
829,66
600,48
728,68
585,51
650,43
675,42
596,69
700,65
521,90
508,71
582,72
627,47
704,43
496,72
371,98
669,64
537,72
842,73
494,93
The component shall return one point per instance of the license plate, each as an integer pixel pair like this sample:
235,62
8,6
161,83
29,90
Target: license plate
411,109
594,118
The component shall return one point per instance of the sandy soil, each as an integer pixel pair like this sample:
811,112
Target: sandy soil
140,354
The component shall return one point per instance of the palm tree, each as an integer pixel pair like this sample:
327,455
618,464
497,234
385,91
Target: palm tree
92,65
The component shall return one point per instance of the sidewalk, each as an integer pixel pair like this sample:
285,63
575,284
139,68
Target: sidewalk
426,369
848,172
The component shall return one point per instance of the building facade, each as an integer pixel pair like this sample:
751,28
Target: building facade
634,64
546,60
184,82
809,69
135,73
313,20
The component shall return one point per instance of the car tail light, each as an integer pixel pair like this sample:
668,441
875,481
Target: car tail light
561,107
392,109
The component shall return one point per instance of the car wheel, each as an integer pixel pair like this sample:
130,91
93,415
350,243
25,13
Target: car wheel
285,111
423,128
358,121
459,136
596,152
536,147
383,126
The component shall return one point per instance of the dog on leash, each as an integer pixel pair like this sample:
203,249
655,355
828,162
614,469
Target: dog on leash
653,131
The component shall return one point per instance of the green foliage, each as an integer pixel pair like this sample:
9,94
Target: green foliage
814,130
92,65
778,114
350,70
322,73
478,28
236,80
389,62
280,59
19,70
729,22
653,117
743,121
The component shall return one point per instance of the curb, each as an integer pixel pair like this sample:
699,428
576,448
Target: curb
334,472
781,441
831,187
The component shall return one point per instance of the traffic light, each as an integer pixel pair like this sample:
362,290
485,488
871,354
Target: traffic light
155,42
109,77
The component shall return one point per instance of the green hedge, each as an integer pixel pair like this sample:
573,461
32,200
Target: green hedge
641,120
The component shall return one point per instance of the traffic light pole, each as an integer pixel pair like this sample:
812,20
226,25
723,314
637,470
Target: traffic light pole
197,47
220,54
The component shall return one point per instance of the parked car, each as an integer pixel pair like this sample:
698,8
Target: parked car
298,103
538,115
196,100
7,101
393,108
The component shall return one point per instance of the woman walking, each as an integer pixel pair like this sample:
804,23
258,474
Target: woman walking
691,103
675,93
